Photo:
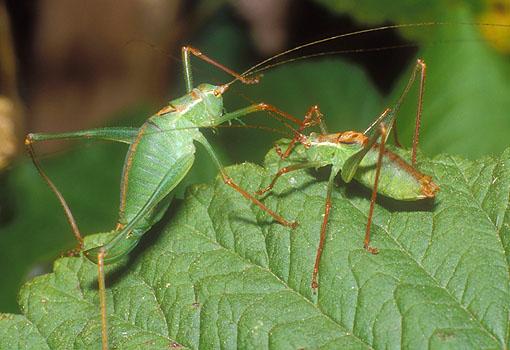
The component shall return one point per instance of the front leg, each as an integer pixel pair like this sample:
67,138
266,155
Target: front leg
188,75
230,182
312,117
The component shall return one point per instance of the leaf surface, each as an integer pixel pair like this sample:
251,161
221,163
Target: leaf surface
222,275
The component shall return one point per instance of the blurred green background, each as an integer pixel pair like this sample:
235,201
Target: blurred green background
69,65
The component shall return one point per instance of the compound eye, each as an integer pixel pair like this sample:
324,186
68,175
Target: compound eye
220,90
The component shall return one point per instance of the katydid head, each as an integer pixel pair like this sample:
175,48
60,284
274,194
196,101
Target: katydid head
212,99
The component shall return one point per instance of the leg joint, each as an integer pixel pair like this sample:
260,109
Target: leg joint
227,180
29,139
263,106
191,49
328,205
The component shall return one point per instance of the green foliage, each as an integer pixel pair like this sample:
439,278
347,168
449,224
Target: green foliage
467,91
222,275
467,84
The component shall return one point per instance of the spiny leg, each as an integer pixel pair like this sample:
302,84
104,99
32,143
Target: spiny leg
257,107
125,135
102,298
327,209
230,182
366,243
422,68
188,76
312,117
69,215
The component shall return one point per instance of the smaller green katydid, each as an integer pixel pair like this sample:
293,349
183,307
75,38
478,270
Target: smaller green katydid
358,156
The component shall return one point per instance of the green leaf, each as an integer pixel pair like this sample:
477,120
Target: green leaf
222,275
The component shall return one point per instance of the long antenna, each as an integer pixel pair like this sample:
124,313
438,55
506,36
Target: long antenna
359,32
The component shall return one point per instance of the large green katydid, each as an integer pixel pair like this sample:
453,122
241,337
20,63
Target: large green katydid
358,156
156,163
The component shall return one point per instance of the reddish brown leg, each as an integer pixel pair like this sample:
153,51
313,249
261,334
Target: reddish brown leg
54,189
272,109
102,299
312,117
374,191
256,108
186,50
324,226
422,68
228,180
286,170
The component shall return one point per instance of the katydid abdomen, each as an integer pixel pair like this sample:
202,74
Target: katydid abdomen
398,179
159,157
156,161
150,156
